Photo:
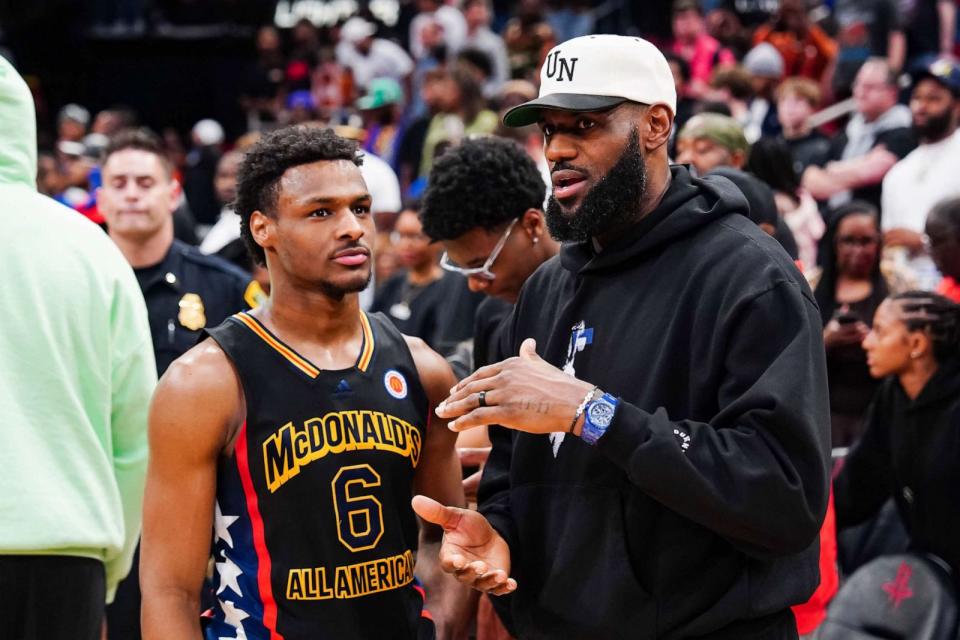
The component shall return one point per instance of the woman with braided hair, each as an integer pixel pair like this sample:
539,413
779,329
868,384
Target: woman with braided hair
910,450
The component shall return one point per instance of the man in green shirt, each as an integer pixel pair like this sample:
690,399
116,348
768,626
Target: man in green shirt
76,374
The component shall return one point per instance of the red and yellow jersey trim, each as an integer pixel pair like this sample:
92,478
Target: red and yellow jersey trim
284,350
363,362
366,353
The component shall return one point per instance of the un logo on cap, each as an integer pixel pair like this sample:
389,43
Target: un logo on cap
566,66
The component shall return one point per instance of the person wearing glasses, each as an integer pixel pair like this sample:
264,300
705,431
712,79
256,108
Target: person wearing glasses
849,290
484,204
423,300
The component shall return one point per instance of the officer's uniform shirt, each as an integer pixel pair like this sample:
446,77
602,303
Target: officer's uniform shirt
188,291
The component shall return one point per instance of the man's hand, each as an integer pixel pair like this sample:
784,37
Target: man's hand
900,237
471,550
525,393
473,457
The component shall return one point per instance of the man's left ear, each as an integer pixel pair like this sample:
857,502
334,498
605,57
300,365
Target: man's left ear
659,122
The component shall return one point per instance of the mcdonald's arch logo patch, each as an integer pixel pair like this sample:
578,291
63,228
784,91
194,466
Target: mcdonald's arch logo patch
395,383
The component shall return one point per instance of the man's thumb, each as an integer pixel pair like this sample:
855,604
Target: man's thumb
432,511
528,350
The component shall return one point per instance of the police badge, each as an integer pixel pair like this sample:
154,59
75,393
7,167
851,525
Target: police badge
192,314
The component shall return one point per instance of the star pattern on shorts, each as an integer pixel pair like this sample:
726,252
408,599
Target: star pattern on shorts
229,572
222,524
234,617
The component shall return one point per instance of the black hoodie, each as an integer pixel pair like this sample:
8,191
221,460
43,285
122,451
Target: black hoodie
697,513
910,451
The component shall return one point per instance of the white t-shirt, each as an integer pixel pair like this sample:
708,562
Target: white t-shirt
454,29
930,173
223,232
382,182
385,190
385,60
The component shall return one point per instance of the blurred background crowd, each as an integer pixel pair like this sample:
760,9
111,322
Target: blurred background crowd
837,118
845,109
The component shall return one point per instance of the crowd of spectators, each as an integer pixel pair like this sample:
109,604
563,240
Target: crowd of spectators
837,118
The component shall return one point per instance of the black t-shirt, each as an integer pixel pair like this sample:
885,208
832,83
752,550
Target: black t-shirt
263,79
921,22
440,313
489,326
899,142
198,184
863,30
410,151
851,386
811,149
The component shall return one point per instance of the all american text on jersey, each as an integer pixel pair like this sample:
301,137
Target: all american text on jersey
351,581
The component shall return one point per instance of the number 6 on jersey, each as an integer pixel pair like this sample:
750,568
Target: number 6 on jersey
359,515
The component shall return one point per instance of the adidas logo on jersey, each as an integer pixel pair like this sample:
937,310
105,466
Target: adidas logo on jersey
342,388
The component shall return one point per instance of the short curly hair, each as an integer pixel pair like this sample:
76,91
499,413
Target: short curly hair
267,160
484,182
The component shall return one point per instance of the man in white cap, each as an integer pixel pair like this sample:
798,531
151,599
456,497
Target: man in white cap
72,122
765,65
369,57
664,467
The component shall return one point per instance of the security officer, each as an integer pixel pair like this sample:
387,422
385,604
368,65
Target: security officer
185,290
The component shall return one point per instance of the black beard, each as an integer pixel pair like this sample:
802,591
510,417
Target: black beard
936,127
613,203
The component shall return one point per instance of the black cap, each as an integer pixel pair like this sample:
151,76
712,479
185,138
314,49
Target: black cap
942,70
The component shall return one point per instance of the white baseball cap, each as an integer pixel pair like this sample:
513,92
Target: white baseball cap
592,73
356,29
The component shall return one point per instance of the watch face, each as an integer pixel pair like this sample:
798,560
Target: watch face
601,413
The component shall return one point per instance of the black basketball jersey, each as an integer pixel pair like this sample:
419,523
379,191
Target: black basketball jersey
314,533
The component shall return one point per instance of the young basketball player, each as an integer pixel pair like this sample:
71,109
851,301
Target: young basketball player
295,435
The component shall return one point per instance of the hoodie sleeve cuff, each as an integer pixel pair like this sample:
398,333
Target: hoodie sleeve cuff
627,431
502,524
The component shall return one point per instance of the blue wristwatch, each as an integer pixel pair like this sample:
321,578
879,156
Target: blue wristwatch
597,417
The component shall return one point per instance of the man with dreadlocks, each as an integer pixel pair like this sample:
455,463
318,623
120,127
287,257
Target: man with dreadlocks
911,446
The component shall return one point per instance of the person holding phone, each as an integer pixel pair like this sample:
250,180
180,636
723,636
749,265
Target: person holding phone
849,291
